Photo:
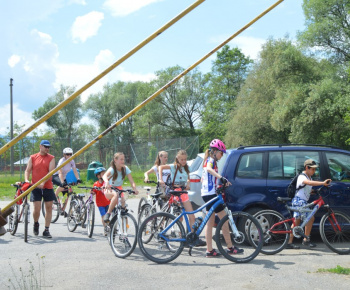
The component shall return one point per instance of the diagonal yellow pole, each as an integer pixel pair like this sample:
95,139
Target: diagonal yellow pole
101,75
133,111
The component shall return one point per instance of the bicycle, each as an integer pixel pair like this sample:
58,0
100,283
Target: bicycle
122,229
59,206
334,226
80,211
20,215
162,237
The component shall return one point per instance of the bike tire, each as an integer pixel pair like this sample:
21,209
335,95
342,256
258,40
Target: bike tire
91,219
142,202
13,220
123,242
146,211
335,232
25,219
72,216
157,249
55,211
244,241
273,243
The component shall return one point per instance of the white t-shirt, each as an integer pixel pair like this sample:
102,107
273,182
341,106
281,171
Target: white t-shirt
165,173
65,169
303,193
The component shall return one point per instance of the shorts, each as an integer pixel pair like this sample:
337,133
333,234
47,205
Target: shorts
45,194
184,197
298,202
57,181
103,209
206,198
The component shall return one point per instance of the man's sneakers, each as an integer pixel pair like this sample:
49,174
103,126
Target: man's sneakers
46,234
106,218
36,228
307,243
200,243
234,251
292,247
212,254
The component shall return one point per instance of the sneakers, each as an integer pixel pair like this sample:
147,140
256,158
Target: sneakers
234,251
124,211
292,246
36,228
106,218
105,231
64,214
46,234
308,244
212,254
200,243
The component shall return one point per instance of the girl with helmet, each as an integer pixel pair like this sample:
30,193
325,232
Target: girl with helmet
59,178
101,201
209,184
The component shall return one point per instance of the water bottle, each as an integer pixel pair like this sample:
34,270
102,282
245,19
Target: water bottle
197,223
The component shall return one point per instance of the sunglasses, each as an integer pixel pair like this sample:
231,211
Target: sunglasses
68,154
47,147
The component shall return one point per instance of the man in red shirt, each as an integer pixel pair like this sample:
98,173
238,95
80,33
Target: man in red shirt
39,165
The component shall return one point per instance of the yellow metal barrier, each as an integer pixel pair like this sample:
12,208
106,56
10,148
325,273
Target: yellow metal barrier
142,104
89,84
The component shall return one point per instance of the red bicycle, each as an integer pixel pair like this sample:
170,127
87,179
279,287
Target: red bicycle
334,226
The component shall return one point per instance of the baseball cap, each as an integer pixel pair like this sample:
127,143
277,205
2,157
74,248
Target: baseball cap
45,143
310,163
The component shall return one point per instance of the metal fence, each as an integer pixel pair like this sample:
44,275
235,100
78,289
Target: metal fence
141,154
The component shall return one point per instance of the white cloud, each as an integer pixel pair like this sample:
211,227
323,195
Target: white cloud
79,2
250,46
13,60
86,26
123,7
77,74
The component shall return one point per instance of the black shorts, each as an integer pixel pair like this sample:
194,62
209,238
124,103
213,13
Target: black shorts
45,194
206,198
56,181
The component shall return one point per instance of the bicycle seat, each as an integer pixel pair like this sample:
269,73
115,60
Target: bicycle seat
283,199
158,194
177,193
81,195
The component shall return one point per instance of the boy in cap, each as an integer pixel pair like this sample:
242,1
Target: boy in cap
39,165
302,195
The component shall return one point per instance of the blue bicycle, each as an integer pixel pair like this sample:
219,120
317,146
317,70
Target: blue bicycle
162,236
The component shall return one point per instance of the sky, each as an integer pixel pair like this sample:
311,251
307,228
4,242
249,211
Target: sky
48,43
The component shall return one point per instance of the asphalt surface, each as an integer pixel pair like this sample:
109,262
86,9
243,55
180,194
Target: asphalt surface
74,261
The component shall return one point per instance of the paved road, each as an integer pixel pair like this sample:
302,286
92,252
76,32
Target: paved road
72,260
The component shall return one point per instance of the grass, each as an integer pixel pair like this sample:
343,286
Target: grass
8,192
336,270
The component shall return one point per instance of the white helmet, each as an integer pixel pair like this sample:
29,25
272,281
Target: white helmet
67,150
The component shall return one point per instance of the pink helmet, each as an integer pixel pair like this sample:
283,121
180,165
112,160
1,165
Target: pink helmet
218,144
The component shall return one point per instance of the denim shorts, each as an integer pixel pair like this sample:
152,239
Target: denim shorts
103,209
298,202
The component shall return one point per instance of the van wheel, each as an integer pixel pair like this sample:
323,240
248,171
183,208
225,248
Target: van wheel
242,226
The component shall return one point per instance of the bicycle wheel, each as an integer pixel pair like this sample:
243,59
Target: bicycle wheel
146,211
13,220
72,218
142,202
273,242
243,241
55,211
91,219
157,249
25,219
123,235
335,232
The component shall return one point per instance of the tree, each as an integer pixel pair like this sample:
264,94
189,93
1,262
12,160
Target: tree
65,122
328,27
223,84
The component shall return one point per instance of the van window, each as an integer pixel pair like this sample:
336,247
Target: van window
250,166
275,165
339,166
293,163
196,163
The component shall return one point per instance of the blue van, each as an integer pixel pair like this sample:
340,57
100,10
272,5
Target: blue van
260,174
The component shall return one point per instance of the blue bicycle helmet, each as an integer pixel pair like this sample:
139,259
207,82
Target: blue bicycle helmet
99,170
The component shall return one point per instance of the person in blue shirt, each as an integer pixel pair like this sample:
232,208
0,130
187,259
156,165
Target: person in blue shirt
115,176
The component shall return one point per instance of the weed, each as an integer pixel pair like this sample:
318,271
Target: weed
337,270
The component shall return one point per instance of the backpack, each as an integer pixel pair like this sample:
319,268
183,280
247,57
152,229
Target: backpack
292,187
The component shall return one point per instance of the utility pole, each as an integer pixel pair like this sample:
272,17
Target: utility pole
11,108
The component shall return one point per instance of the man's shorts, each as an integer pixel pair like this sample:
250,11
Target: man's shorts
45,194
206,198
298,202
103,209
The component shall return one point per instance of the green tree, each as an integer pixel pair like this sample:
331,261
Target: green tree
223,84
328,27
64,123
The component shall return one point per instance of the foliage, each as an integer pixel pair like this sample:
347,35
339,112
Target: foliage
337,270
328,23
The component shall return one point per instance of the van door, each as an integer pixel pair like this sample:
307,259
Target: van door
338,166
